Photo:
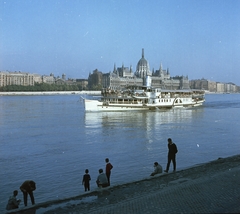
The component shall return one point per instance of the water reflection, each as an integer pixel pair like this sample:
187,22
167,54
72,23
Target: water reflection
139,129
150,120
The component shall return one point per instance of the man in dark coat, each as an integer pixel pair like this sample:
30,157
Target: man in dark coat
172,151
28,187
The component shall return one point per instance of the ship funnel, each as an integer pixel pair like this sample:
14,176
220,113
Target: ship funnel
148,81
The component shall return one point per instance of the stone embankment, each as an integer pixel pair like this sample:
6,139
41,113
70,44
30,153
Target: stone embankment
33,93
212,187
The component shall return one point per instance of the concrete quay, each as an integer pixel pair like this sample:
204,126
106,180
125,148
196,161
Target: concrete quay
38,93
213,187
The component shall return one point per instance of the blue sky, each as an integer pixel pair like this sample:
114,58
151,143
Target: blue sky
200,38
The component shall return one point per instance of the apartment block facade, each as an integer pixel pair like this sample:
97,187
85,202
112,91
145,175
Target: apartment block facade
18,78
211,86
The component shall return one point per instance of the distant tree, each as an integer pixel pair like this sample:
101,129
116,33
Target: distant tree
40,87
96,87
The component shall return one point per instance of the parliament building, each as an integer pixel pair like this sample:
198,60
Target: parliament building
124,77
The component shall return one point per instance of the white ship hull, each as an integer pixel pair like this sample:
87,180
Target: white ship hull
151,101
96,105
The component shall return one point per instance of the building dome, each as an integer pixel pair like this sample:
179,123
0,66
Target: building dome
143,68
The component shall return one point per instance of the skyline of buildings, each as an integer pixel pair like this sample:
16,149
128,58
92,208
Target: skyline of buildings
120,78
27,79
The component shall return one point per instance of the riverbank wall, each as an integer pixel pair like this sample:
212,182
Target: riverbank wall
204,188
33,93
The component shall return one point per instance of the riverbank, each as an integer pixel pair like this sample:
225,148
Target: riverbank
33,93
211,187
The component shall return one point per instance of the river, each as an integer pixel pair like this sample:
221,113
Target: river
51,140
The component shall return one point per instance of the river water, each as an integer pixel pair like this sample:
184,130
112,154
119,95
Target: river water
51,140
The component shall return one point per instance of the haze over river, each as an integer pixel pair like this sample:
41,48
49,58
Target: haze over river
51,140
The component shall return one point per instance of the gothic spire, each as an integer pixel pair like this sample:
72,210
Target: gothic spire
142,52
160,67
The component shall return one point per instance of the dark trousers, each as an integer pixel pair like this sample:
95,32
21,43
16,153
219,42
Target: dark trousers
173,159
87,186
108,177
25,197
102,185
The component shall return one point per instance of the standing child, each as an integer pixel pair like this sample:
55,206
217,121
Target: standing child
108,170
86,180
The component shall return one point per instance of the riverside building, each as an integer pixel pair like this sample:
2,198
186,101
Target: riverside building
123,77
28,79
18,78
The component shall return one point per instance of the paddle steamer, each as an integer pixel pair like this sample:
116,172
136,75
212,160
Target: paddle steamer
147,98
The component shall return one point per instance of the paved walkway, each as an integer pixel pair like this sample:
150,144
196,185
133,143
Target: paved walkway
208,188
